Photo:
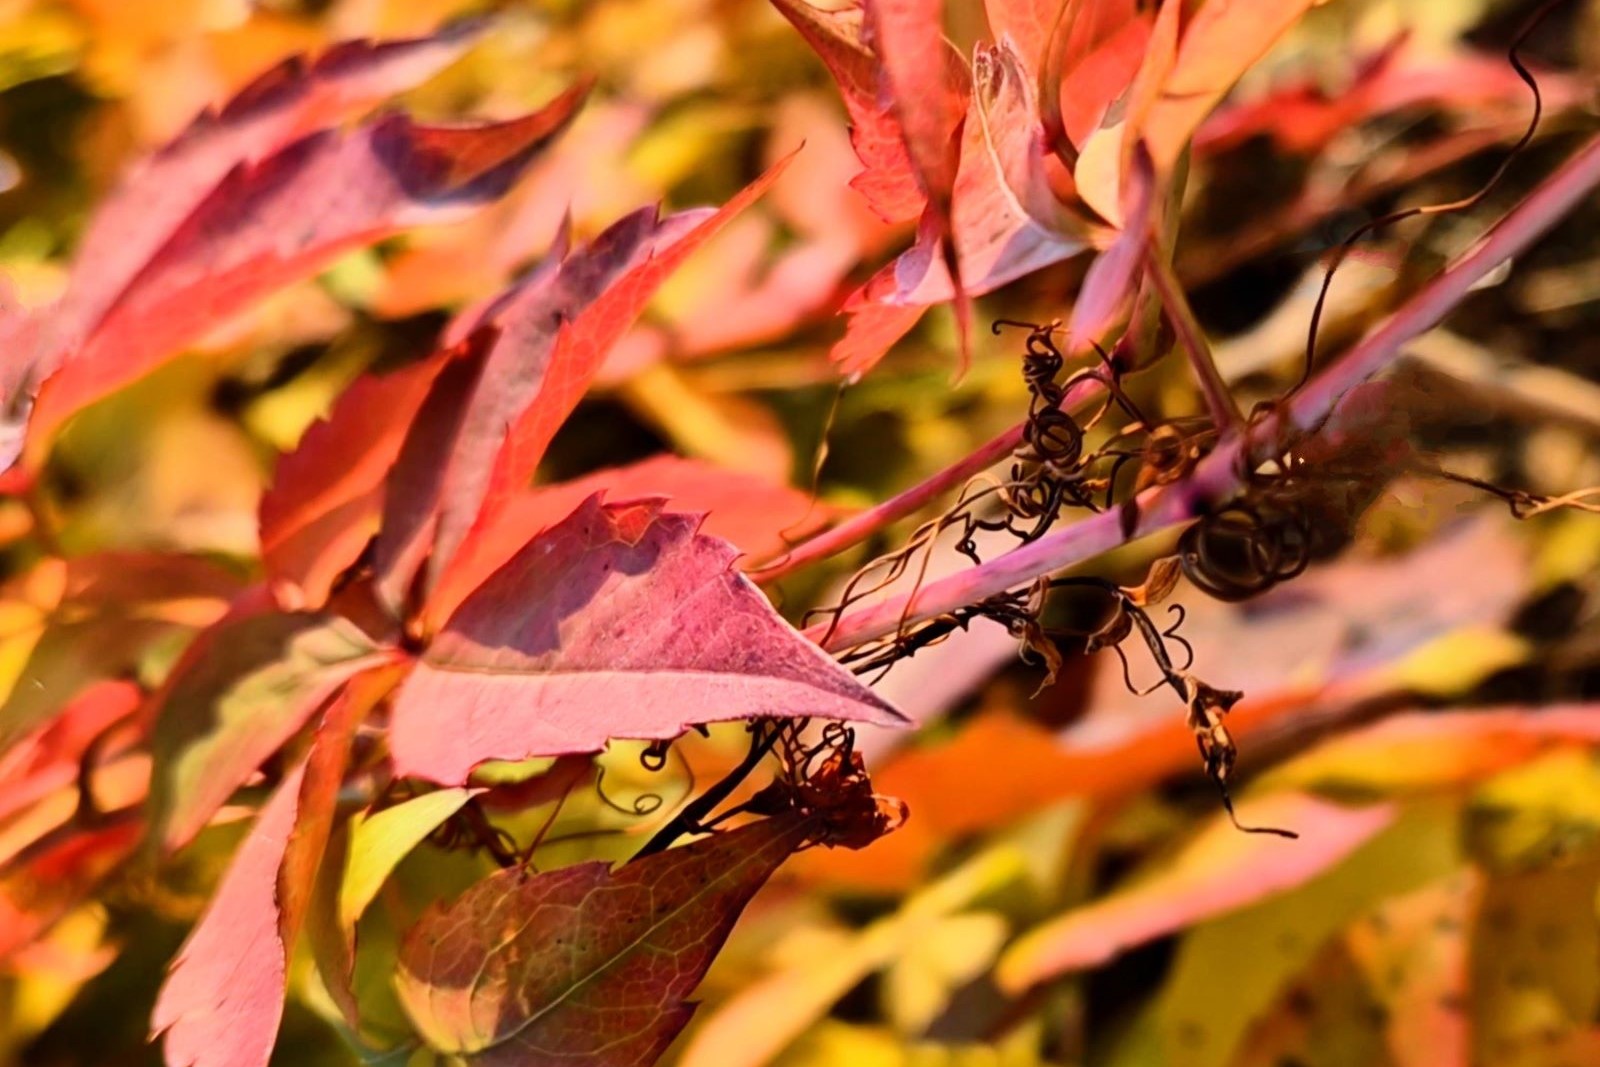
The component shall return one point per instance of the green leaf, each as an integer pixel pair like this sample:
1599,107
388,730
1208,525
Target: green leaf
378,842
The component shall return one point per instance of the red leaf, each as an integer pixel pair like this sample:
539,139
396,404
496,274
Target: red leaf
319,790
223,997
584,966
48,759
548,338
907,36
932,107
754,515
281,105
1005,220
505,360
619,622
270,223
327,494
1097,51
887,181
1301,116
241,690
57,873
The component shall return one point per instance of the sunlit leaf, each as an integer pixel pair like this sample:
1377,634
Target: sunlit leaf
619,607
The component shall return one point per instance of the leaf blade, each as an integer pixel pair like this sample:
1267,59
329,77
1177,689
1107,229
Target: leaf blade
652,928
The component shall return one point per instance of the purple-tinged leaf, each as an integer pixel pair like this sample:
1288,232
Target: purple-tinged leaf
479,441
584,966
620,621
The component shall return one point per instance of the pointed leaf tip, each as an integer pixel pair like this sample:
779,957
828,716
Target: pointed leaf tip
620,621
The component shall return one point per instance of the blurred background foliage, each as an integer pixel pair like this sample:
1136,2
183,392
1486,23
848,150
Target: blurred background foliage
1066,890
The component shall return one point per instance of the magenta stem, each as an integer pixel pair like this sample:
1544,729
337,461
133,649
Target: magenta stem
864,524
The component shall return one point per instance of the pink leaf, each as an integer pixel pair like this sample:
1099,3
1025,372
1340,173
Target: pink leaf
887,181
55,874
1005,220
267,224
241,690
1109,285
584,966
619,622
1028,25
754,515
873,329
1220,871
327,494
223,997
282,104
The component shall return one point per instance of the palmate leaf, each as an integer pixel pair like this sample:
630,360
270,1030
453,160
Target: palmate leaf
621,621
327,494
758,517
221,1004
584,966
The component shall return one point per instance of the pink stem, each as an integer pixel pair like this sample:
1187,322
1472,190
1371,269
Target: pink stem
1216,477
859,527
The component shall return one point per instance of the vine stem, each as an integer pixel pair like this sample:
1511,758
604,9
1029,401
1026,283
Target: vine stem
864,524
1216,477
1224,410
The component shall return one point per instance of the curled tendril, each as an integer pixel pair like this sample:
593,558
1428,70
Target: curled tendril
1246,548
1343,251
653,758
470,828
